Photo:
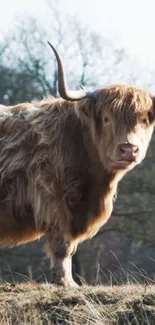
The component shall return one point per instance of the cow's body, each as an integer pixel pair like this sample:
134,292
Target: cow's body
60,164
51,174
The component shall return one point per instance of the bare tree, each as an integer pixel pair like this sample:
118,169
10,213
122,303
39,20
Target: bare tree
89,59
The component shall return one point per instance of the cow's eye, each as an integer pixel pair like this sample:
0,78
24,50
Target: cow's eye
106,120
145,121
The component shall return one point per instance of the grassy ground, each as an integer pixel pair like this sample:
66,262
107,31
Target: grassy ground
46,304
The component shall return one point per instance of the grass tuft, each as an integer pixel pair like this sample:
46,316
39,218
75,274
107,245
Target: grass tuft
45,304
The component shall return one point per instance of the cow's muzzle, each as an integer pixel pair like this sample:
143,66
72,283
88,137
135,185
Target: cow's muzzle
127,152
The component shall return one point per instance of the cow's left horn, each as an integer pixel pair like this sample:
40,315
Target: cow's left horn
62,83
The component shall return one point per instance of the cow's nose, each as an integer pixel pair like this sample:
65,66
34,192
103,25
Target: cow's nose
127,151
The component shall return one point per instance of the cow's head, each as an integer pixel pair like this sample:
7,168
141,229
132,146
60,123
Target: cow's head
124,118
121,119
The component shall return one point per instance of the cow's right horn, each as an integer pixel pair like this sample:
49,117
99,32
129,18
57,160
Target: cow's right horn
62,83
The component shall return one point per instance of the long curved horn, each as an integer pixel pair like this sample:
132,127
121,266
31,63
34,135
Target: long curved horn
62,83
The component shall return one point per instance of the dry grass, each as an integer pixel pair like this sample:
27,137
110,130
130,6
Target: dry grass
46,304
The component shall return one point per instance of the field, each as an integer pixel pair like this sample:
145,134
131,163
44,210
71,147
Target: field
46,304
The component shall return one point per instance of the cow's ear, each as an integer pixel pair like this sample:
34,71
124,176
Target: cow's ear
85,109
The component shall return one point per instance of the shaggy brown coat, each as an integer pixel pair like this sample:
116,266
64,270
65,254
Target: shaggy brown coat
57,167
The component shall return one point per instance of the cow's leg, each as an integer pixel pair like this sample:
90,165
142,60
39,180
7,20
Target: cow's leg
62,250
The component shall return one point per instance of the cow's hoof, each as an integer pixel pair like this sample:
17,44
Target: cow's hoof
71,284
66,283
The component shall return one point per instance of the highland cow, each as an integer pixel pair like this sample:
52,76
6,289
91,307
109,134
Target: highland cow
61,161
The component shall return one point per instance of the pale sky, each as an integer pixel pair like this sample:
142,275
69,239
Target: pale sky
128,23
132,22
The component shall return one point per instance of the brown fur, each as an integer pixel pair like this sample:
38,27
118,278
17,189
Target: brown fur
55,174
